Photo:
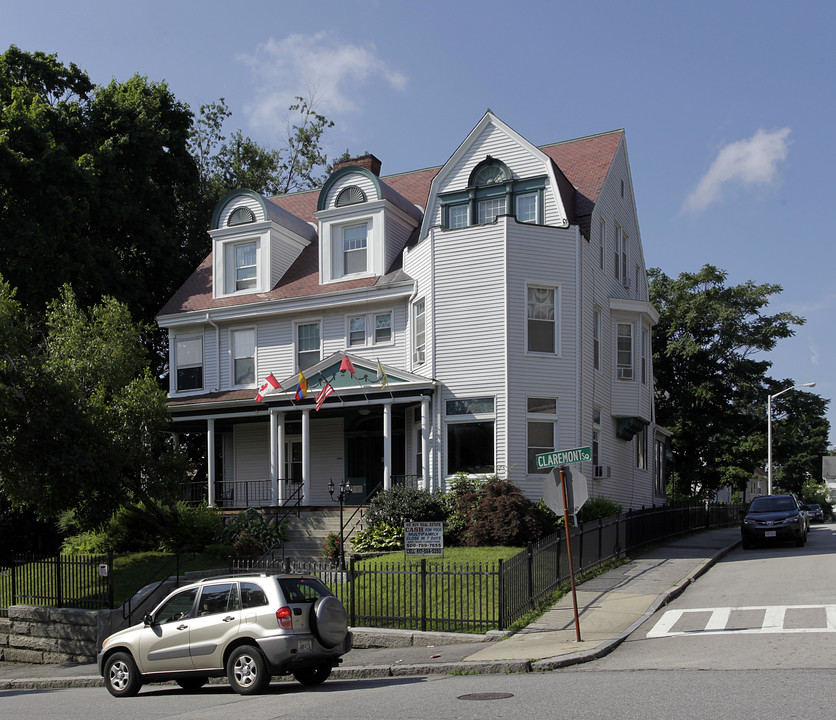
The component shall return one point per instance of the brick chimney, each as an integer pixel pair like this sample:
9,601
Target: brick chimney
367,161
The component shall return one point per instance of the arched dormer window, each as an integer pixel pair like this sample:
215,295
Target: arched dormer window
492,191
489,172
351,195
240,216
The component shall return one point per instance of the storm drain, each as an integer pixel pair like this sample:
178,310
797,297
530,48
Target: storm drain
485,696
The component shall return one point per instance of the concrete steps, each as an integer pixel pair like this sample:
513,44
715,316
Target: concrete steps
305,535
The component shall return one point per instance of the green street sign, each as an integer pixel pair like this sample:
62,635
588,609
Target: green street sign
564,457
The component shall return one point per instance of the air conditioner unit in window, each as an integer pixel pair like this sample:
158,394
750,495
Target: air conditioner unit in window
625,281
418,357
603,471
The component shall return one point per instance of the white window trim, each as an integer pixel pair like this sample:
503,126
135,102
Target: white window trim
227,279
557,313
597,320
542,418
370,330
296,325
619,374
186,338
231,356
532,193
332,258
463,419
419,352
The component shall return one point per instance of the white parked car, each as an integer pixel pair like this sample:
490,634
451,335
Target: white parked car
247,627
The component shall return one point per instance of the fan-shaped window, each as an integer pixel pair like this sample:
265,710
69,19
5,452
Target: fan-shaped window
350,196
241,216
490,172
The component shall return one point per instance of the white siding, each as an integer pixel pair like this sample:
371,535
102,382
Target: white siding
239,201
360,180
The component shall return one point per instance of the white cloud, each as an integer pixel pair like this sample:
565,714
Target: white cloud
315,65
750,162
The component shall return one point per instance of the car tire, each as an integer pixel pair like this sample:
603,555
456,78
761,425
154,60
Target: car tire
192,683
329,621
121,675
313,676
747,545
246,670
800,542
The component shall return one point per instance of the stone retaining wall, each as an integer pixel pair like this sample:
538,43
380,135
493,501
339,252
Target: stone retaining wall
49,635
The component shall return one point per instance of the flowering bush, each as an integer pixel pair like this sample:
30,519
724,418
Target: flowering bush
246,544
331,547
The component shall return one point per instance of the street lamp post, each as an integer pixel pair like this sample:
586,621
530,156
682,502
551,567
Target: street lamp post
769,432
343,493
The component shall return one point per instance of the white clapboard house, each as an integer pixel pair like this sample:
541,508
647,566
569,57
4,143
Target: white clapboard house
456,319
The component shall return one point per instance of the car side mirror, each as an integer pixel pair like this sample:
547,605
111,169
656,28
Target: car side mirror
148,620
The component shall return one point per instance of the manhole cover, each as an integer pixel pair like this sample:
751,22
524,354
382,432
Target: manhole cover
485,696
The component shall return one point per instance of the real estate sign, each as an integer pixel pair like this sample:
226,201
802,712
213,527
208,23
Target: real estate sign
424,538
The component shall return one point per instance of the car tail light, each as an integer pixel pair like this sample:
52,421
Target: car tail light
285,618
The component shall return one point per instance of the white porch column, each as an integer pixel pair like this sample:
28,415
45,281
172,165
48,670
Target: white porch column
210,462
387,446
274,458
280,456
426,478
306,456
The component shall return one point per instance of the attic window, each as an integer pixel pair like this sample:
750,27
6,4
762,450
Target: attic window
352,195
240,216
490,172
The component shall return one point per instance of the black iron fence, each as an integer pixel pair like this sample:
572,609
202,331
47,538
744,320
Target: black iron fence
463,597
75,581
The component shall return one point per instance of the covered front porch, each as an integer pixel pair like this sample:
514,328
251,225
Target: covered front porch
369,430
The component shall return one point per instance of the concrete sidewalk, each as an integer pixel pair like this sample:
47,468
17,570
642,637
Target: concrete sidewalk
610,607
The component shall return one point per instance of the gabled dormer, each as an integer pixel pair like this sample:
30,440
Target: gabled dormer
253,244
363,223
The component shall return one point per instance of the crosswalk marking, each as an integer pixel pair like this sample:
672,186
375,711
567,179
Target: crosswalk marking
761,619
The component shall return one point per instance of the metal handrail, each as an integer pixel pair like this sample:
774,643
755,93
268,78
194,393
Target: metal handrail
289,505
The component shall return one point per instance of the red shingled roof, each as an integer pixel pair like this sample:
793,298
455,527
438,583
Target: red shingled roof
584,162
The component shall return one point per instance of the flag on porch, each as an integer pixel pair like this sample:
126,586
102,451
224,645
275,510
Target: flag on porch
302,387
346,364
270,385
324,393
381,375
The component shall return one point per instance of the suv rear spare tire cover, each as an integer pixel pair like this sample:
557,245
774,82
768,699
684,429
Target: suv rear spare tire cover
329,621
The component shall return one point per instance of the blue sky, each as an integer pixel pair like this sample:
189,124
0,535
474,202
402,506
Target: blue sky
727,106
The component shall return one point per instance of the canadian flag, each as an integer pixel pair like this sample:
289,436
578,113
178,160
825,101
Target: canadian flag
324,393
270,385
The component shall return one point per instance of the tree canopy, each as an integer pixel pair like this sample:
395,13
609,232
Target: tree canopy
84,424
711,385
98,188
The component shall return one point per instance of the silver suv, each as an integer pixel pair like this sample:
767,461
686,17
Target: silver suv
247,627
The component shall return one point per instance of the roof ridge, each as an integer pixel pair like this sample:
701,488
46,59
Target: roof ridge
585,137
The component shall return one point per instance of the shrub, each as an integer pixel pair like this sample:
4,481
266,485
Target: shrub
403,504
196,527
91,542
251,532
599,507
331,547
380,537
497,513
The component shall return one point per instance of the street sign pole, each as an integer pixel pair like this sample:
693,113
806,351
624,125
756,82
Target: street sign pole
569,552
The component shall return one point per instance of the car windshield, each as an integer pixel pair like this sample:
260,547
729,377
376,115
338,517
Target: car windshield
772,504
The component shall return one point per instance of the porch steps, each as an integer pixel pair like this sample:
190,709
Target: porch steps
305,535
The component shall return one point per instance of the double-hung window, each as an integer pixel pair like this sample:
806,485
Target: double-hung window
354,248
542,430
245,266
188,356
542,320
382,328
242,344
357,331
596,338
527,207
307,345
489,209
419,332
624,351
470,435
457,216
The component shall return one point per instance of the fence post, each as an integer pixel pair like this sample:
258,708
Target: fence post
351,607
14,581
501,596
424,594
530,566
58,594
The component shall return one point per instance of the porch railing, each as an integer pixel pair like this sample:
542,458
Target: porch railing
237,494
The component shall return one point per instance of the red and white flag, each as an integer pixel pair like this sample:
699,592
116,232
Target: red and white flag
324,393
270,385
